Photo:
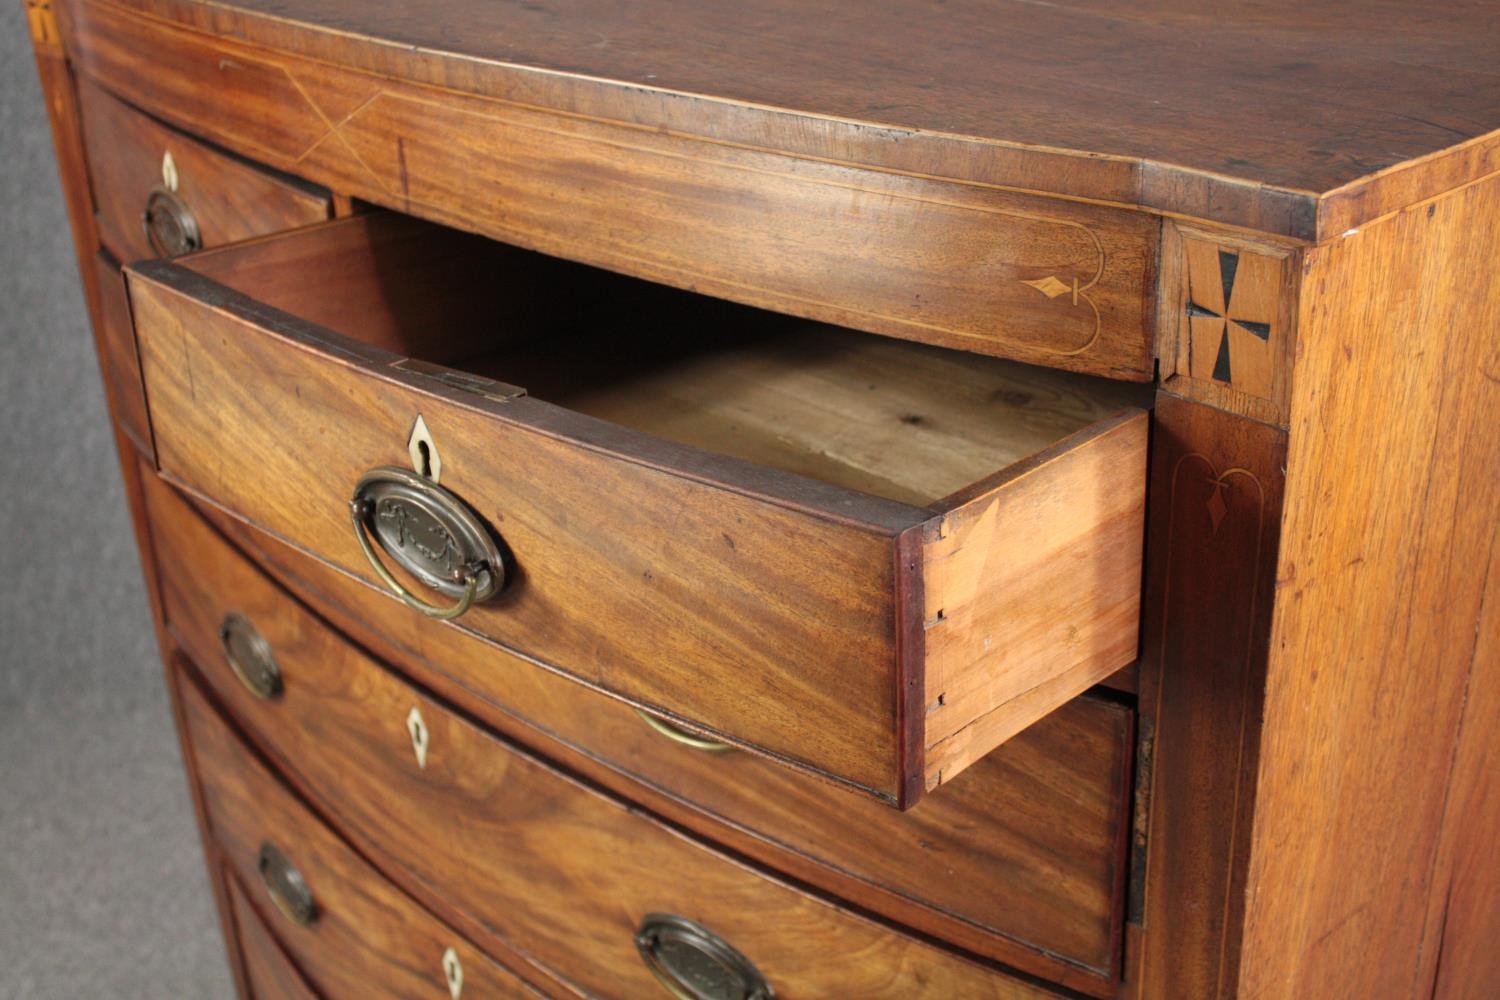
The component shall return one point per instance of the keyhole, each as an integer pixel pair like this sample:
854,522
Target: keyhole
425,450
454,973
416,728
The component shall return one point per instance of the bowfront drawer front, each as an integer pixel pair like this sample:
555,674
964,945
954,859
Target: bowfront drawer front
120,364
1018,860
269,972
159,193
559,872
868,557
350,932
962,265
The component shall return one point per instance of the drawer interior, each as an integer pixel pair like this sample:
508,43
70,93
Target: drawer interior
895,419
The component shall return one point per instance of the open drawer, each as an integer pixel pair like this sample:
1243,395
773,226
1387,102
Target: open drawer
870,558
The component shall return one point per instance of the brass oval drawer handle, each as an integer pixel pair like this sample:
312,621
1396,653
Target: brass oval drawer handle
694,963
682,736
287,887
431,534
170,226
249,656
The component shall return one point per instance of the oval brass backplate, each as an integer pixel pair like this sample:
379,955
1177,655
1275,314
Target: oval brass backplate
429,532
249,656
694,963
287,888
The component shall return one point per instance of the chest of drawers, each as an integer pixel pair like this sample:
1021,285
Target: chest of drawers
743,502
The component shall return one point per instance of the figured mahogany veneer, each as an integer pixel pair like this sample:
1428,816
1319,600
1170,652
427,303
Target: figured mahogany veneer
228,198
523,850
268,970
1294,122
1020,859
885,644
1281,213
367,938
1022,277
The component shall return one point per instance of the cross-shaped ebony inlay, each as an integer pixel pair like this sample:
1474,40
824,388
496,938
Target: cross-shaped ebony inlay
1229,263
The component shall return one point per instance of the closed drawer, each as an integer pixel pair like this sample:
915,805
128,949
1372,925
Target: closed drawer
1019,860
557,871
269,972
350,932
870,558
159,193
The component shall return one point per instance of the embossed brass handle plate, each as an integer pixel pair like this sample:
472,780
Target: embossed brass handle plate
431,534
249,656
287,887
170,226
676,735
694,963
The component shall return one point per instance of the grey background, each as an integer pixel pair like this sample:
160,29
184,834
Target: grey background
103,891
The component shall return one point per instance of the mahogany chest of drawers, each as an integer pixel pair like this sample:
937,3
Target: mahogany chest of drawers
748,501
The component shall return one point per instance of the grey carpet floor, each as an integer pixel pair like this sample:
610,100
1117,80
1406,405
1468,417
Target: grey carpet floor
102,886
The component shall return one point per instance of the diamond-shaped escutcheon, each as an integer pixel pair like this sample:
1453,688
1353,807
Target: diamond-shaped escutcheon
423,451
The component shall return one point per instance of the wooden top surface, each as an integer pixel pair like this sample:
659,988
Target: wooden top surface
1285,116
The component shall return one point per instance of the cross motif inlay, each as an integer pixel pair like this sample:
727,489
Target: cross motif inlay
1229,263
1230,316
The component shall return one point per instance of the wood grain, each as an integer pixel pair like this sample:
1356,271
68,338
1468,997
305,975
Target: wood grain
1027,602
1276,117
1237,354
57,86
1465,962
118,360
230,199
562,846
269,972
898,420
1382,576
1045,282
1019,860
368,938
642,566
1216,488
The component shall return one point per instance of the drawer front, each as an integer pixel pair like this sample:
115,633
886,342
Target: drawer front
964,266
1020,860
351,932
886,645
119,362
269,973
147,176
559,872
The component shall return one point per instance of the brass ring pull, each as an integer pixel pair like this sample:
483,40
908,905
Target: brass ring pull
286,886
676,735
359,510
693,963
431,534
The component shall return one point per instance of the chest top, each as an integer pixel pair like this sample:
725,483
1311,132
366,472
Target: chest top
1296,119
